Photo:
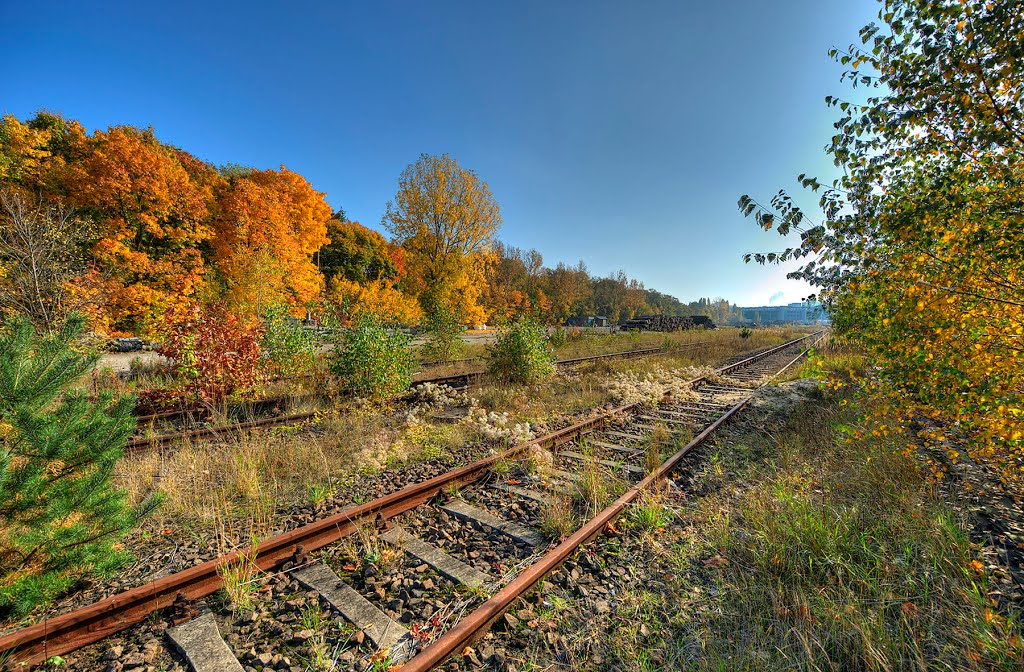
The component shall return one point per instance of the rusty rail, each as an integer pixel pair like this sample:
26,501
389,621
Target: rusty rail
67,632
147,443
478,621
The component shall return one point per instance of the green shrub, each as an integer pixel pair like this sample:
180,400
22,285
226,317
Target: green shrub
372,359
444,327
60,518
290,348
558,337
521,353
745,333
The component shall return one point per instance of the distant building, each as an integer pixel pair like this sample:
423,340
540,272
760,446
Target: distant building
808,312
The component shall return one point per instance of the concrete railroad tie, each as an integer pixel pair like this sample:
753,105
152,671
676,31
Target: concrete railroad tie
454,569
199,641
383,632
462,510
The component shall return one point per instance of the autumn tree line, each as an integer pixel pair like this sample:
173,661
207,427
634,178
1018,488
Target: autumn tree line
127,230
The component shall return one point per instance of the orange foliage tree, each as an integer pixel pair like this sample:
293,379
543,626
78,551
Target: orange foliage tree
271,222
362,271
23,150
152,219
378,298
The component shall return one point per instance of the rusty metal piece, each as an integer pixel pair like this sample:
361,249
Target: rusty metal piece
299,557
182,609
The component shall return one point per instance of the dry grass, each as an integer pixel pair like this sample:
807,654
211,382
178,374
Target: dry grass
232,490
376,551
594,487
655,448
570,391
729,337
557,519
236,486
822,553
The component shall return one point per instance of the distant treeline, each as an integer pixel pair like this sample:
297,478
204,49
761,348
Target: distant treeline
125,229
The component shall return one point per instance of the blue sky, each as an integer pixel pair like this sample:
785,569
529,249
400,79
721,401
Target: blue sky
619,133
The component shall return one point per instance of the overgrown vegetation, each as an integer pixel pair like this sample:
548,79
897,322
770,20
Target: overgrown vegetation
444,326
239,489
521,353
290,348
215,352
241,581
844,556
557,520
372,359
60,517
648,513
803,546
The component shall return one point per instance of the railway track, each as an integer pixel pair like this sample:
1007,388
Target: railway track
423,521
451,379
140,444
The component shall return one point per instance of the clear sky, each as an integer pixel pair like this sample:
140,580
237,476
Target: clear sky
619,133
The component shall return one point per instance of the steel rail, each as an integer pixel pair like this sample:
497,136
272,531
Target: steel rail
479,620
146,443
75,629
64,633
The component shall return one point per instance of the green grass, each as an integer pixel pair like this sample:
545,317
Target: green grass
648,513
809,550
850,559
838,556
